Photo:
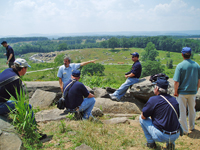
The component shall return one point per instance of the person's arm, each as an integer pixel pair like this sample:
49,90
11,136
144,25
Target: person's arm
87,62
129,75
176,85
11,55
90,95
198,85
142,116
61,84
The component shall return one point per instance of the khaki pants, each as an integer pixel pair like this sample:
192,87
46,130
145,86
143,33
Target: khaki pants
184,101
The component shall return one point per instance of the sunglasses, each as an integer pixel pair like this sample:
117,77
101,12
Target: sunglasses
133,56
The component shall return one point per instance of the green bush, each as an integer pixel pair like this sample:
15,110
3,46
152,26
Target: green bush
92,69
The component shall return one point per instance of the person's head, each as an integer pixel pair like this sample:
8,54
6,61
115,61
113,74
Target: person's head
76,74
4,43
135,56
67,61
21,65
186,52
161,86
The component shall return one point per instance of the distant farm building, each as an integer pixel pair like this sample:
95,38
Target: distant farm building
120,63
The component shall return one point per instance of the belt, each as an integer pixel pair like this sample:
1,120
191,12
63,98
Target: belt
170,133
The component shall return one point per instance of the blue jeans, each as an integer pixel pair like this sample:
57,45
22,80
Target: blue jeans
152,134
87,106
5,110
124,87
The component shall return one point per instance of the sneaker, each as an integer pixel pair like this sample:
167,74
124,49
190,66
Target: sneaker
43,136
113,97
170,146
151,145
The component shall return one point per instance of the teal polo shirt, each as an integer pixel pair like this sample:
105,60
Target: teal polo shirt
65,73
187,74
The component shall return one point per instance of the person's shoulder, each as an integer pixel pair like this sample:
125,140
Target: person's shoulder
62,67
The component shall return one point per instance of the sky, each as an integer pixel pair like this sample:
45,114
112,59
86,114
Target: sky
20,17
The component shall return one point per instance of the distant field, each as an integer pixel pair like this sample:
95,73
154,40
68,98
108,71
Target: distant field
110,58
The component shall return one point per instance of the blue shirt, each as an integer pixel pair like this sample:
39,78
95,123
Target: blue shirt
162,114
9,51
10,87
136,69
65,73
187,74
75,94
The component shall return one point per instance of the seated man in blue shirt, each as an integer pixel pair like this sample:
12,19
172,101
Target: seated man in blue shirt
77,91
65,71
132,78
163,125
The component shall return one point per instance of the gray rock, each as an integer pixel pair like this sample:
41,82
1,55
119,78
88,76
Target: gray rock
42,99
117,120
99,92
197,116
96,112
83,147
5,124
0,132
49,115
109,106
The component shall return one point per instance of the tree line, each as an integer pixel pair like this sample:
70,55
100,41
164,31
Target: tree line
42,44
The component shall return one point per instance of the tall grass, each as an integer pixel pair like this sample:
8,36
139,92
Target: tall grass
24,121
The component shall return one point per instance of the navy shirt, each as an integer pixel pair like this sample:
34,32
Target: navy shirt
162,114
10,87
75,94
9,51
136,69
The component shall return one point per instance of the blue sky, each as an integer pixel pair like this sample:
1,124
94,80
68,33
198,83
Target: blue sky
19,17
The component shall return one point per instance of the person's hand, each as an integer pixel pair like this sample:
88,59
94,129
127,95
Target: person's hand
4,54
7,62
61,88
176,94
126,76
93,61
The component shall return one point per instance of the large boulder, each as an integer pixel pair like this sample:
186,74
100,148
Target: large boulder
109,106
42,99
9,140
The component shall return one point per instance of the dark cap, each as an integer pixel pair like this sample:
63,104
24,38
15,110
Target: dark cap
76,73
186,50
135,54
162,83
3,42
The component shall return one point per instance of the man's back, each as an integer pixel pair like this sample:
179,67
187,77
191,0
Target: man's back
75,94
187,74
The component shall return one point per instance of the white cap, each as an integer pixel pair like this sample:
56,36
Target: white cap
19,62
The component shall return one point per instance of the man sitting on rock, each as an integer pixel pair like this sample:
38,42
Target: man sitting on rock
132,78
11,84
163,125
74,99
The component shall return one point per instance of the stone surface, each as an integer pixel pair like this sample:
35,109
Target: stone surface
99,92
117,120
48,115
96,112
9,140
42,99
109,106
83,147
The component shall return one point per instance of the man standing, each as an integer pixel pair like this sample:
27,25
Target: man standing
9,53
132,78
163,125
186,84
77,91
65,71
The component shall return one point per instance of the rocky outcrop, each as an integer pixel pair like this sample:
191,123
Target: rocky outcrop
9,140
117,121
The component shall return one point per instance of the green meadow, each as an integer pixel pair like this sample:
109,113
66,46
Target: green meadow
116,62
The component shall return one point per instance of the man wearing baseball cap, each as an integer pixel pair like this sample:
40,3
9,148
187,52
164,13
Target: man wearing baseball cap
9,53
132,78
11,84
163,126
186,84
75,100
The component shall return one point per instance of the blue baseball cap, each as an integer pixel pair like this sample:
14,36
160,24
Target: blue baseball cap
76,73
162,83
135,54
186,50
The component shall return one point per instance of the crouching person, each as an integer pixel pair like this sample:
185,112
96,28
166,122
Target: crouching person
164,112
74,99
